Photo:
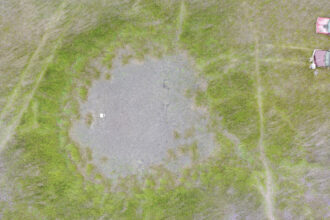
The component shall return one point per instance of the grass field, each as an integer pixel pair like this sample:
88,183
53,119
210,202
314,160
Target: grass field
268,110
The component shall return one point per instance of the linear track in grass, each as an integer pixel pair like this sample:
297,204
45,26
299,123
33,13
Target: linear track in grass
181,17
268,189
290,62
288,46
21,96
7,132
28,70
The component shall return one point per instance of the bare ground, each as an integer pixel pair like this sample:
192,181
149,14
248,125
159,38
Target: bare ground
146,114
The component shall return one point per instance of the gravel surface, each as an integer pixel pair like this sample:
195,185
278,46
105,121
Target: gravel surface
144,105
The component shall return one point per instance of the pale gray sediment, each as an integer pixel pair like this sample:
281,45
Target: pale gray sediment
144,104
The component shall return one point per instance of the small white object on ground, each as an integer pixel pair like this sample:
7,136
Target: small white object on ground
137,130
102,115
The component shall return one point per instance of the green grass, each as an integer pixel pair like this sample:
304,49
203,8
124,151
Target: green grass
108,76
89,119
52,184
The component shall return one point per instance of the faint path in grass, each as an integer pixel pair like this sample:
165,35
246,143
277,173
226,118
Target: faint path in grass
267,190
29,68
8,131
30,79
232,137
287,46
284,61
24,76
136,6
180,20
232,61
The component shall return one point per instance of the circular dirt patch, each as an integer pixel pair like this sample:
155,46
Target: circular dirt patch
145,112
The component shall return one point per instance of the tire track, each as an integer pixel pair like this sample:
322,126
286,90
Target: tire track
180,20
10,129
267,190
29,68
290,62
22,96
287,46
